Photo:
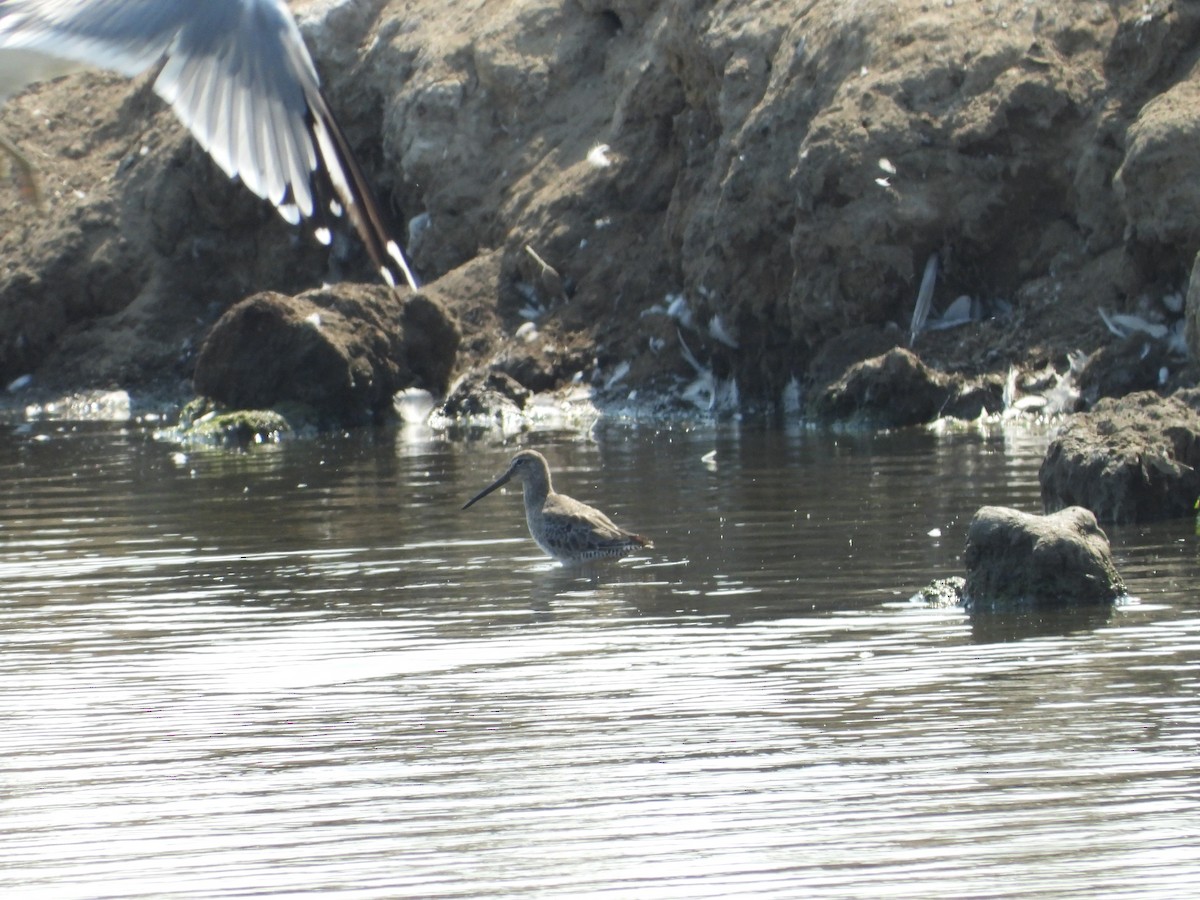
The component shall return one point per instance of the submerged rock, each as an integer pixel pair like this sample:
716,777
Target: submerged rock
343,351
941,592
486,395
1016,558
897,389
1133,459
891,390
203,423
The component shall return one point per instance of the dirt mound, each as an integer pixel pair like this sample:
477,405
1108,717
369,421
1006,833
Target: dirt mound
758,177
342,351
1135,459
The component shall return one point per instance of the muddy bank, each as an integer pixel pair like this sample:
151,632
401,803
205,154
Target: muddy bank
721,188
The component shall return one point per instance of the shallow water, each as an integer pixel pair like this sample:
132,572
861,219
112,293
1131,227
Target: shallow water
304,670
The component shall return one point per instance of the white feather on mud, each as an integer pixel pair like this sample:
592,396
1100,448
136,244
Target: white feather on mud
417,226
679,310
617,376
707,391
1124,324
1045,392
718,332
924,298
598,156
961,312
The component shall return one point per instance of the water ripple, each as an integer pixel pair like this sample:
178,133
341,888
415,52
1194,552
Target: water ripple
317,690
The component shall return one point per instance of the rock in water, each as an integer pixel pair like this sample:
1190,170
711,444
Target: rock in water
1134,459
1060,559
342,351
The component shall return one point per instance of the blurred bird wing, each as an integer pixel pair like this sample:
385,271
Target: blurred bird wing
126,36
238,74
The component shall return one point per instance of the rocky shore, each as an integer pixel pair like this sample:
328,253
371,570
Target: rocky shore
873,212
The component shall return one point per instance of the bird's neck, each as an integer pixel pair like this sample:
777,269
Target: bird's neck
535,494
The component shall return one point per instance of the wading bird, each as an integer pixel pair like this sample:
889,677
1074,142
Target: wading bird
237,74
566,529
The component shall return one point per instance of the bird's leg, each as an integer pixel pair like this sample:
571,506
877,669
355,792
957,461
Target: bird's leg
29,186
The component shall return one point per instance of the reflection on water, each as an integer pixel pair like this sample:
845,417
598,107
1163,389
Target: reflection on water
305,670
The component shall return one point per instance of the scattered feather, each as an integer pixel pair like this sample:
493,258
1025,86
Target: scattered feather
1125,324
551,281
1009,395
679,310
617,376
533,308
1177,340
924,298
598,156
886,165
417,226
718,332
960,312
791,400
706,391
1076,360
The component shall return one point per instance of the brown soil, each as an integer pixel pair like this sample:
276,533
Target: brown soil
786,166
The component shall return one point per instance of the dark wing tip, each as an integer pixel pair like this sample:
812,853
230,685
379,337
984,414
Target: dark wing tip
340,185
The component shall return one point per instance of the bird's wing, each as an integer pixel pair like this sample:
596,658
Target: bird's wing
238,74
126,36
578,527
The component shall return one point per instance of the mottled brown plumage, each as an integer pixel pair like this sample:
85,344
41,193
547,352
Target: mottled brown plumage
566,529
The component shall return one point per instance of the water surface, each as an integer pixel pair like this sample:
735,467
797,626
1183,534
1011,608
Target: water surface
303,670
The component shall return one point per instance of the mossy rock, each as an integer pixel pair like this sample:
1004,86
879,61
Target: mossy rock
206,423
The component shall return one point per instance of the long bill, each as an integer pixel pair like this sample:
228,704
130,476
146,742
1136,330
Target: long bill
498,483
